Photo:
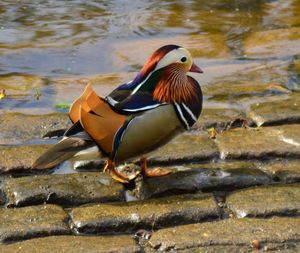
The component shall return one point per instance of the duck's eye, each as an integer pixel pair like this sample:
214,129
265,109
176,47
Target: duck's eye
183,59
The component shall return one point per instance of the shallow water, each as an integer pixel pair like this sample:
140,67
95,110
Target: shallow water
50,49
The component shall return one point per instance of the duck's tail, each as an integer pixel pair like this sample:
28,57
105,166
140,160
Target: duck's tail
75,143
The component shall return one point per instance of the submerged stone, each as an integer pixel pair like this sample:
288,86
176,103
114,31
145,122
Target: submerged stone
188,147
226,232
273,42
20,83
280,111
264,142
294,80
33,221
296,65
17,128
19,158
150,214
286,171
203,45
78,244
282,14
265,201
63,189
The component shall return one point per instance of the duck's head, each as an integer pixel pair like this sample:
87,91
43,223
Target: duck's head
170,56
165,73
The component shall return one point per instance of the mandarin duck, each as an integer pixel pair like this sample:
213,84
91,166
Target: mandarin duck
135,118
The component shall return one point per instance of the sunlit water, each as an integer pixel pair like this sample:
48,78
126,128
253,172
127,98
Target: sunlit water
53,38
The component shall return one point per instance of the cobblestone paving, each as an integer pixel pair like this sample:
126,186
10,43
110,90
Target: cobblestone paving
235,185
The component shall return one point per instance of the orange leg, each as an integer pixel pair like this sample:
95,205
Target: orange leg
110,166
153,172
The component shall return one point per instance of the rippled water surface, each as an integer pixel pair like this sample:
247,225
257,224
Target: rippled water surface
63,42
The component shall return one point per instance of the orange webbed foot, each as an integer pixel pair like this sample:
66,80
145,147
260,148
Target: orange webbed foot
120,177
153,172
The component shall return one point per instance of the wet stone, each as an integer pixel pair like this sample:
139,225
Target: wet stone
273,42
286,171
187,147
219,118
63,189
264,201
264,142
203,177
78,244
286,247
281,111
226,232
19,158
17,128
257,81
33,221
149,214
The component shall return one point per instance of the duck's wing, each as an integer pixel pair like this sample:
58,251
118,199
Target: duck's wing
97,118
124,90
100,121
140,101
135,96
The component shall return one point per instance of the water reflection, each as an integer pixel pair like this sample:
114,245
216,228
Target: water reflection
28,23
53,38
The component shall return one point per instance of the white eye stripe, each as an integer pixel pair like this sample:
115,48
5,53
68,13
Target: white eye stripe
172,57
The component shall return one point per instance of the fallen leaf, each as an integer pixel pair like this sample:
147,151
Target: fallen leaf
2,94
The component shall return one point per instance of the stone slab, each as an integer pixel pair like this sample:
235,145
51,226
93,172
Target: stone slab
264,142
226,232
203,177
19,158
280,111
219,118
33,221
286,171
17,128
187,147
149,214
286,247
63,189
264,201
235,88
78,244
